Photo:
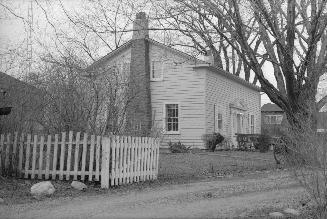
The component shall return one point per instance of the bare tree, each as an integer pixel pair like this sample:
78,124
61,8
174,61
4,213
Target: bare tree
289,35
199,35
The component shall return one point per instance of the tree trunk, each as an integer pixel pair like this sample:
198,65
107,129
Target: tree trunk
302,117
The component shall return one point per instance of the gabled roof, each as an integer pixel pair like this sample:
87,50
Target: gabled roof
229,76
109,55
271,107
129,44
198,62
176,51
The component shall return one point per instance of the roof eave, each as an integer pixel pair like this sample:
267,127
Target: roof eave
228,75
96,64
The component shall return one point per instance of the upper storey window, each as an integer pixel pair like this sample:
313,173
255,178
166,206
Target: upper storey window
156,70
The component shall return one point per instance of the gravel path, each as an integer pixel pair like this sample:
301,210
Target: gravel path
218,199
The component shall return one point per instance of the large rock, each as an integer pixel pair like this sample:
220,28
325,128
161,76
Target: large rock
42,189
1,200
276,214
78,185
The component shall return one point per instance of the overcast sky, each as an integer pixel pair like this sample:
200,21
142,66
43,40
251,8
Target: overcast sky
12,30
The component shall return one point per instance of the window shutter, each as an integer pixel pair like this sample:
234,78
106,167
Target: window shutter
164,117
215,118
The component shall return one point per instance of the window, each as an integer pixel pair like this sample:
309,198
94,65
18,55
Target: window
279,119
220,121
273,119
172,118
252,124
156,70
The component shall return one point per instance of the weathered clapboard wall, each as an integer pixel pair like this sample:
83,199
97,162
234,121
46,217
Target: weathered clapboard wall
116,160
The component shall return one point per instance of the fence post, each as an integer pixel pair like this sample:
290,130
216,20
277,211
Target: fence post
105,162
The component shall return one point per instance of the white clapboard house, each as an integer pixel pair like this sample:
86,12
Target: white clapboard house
183,96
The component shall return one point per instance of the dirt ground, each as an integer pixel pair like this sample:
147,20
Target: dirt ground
251,196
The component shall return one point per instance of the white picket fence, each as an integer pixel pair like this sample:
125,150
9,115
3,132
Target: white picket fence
116,160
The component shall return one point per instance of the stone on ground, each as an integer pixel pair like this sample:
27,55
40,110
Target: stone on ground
292,211
276,214
78,185
42,189
1,200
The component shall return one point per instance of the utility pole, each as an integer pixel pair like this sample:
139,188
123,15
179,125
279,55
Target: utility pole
29,36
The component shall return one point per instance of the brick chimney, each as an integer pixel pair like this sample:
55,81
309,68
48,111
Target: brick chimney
140,26
139,113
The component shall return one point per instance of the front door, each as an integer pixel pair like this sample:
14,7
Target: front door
236,126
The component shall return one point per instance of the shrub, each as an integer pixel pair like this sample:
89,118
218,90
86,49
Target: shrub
178,147
263,143
306,155
211,140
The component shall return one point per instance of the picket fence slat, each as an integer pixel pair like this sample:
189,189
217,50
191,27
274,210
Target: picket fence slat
41,158
69,155
105,163
47,165
84,156
54,161
27,158
113,161
77,143
117,175
120,160
97,158
145,159
151,159
142,159
21,151
128,167
132,159
117,159
34,156
14,154
125,160
139,155
91,157
62,155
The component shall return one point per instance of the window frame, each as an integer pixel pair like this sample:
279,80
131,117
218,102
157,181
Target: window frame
165,119
151,70
277,120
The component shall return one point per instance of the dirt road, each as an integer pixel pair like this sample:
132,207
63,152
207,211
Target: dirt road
215,199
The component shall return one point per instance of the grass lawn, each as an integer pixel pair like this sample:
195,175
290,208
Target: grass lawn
173,168
188,166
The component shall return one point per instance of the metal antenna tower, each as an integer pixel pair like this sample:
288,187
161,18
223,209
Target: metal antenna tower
29,36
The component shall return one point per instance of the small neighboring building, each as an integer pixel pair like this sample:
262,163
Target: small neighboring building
183,96
274,119
322,122
26,103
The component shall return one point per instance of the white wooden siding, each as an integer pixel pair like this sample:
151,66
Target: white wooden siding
183,85
223,91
